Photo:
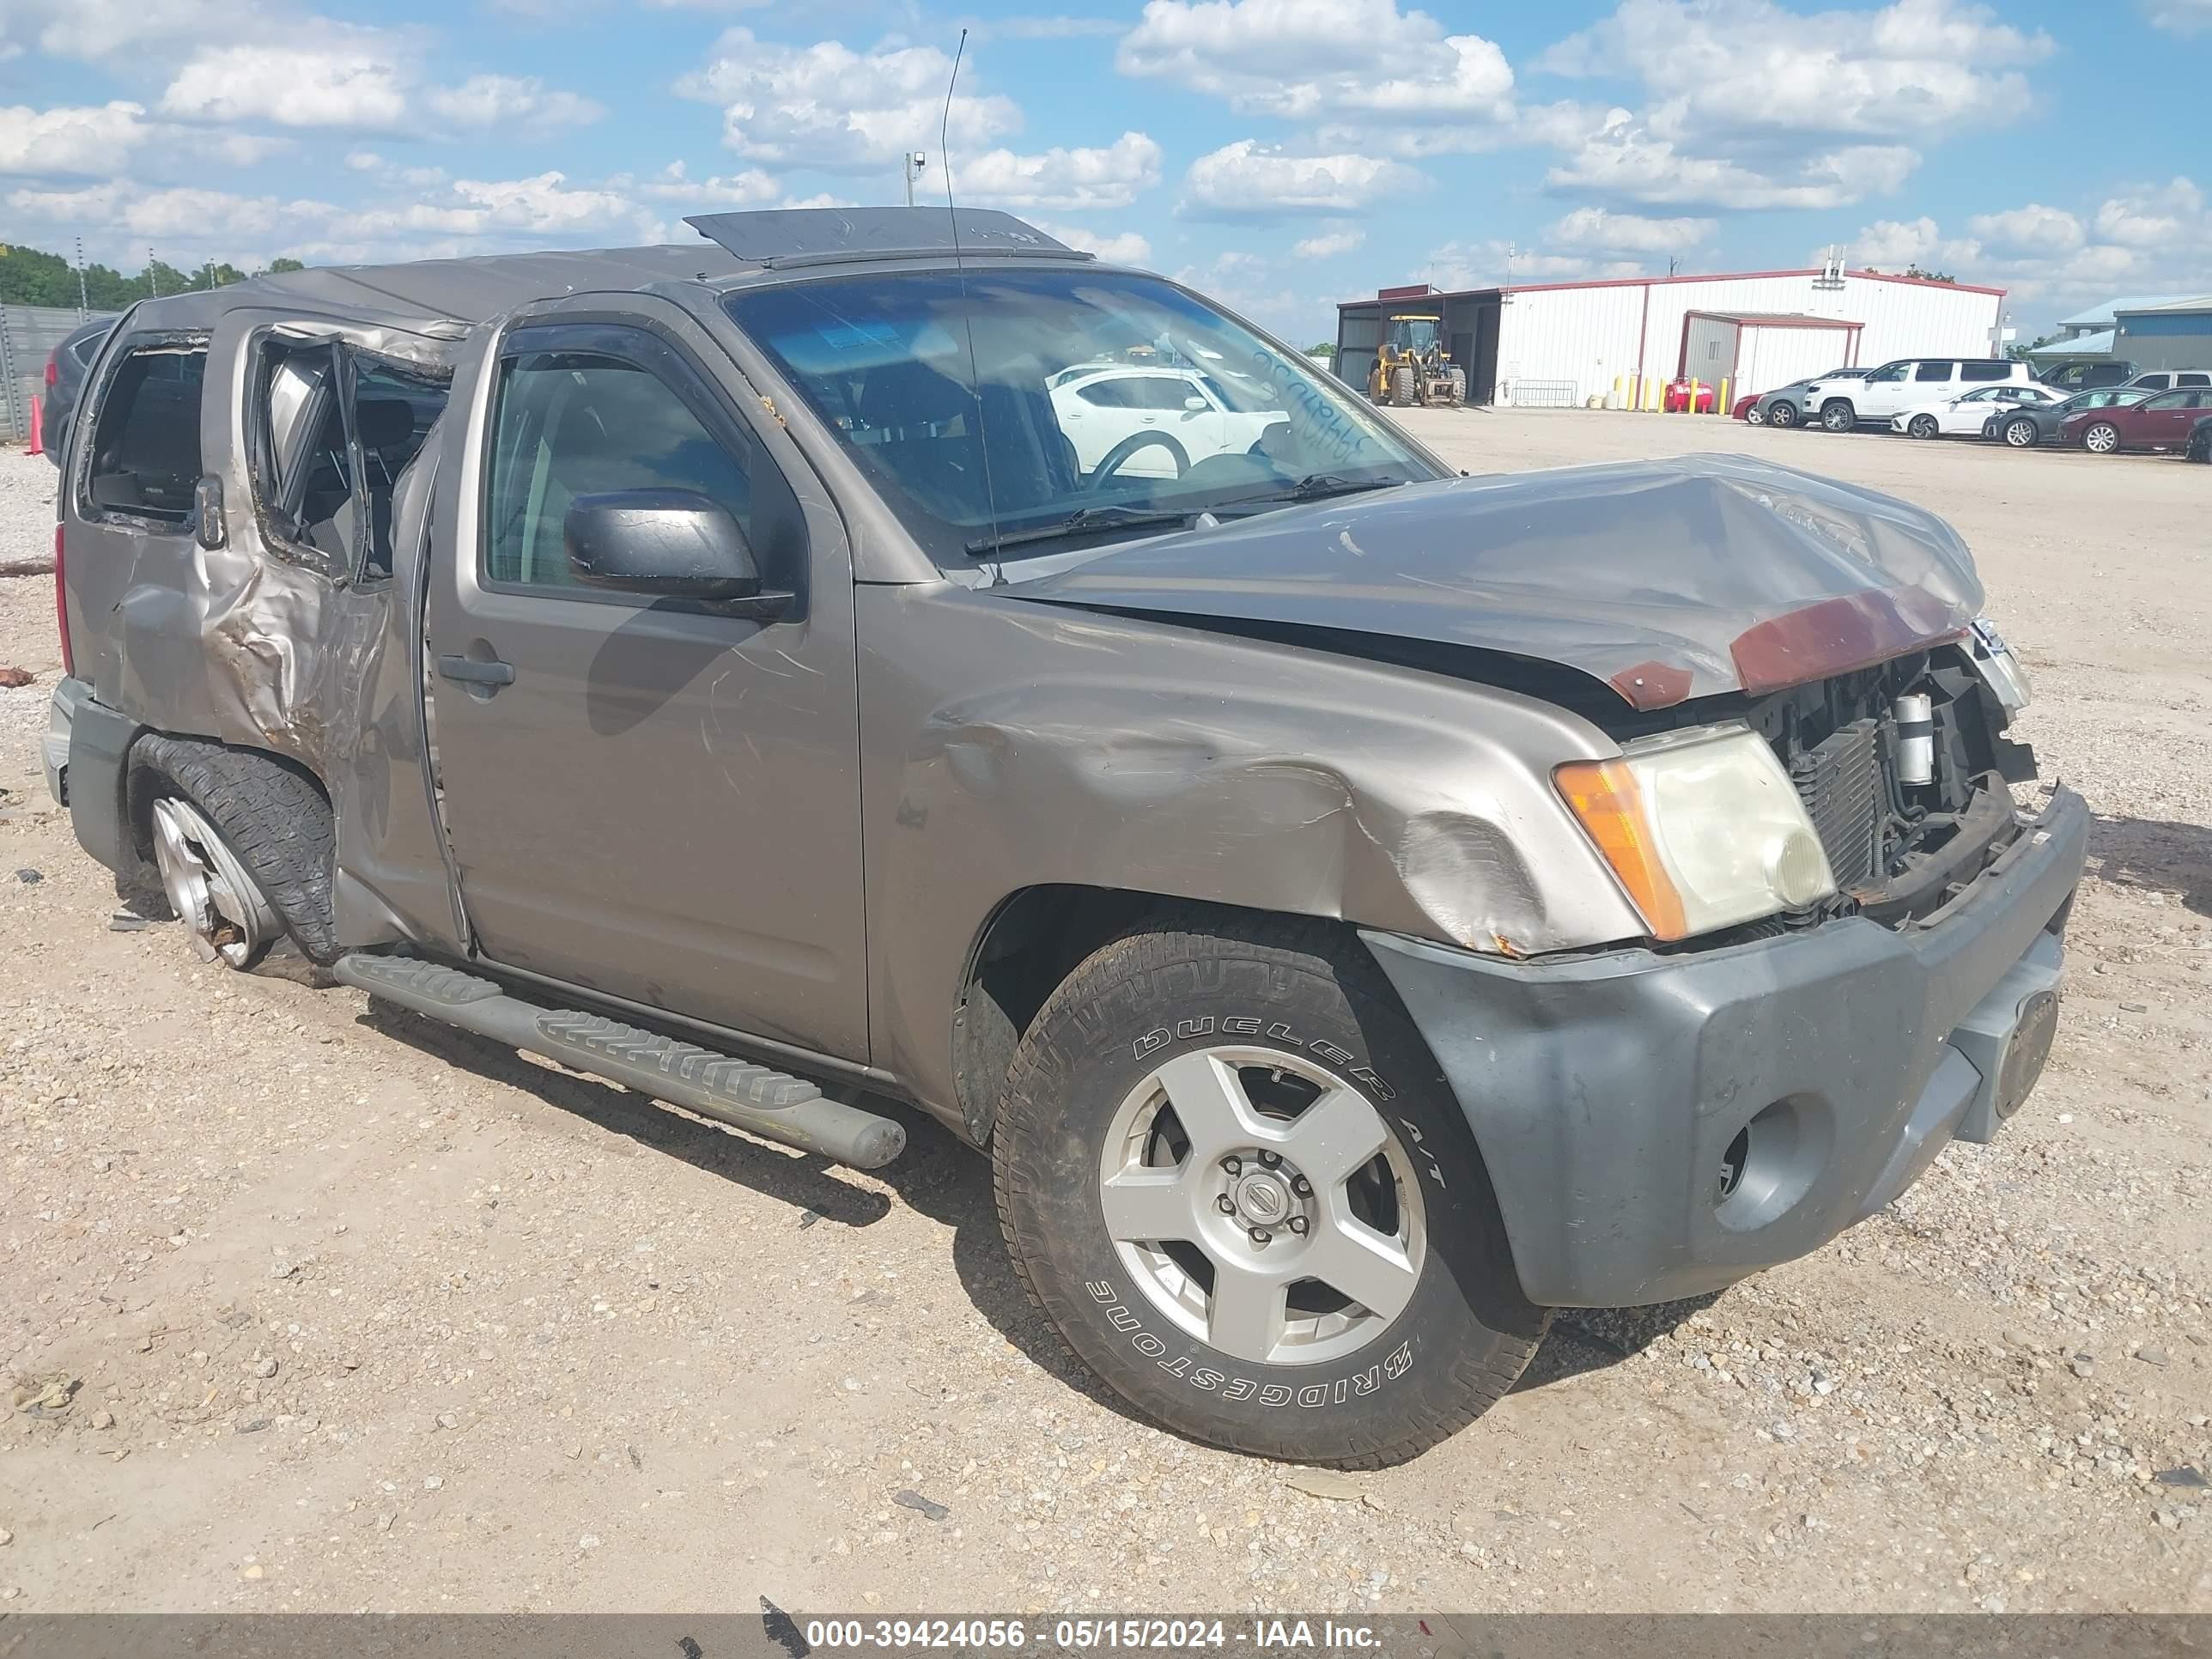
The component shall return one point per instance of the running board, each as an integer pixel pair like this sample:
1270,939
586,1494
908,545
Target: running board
774,1105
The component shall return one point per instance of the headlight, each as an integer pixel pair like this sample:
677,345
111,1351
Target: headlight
1702,828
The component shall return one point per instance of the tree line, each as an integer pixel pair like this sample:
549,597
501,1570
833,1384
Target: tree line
32,277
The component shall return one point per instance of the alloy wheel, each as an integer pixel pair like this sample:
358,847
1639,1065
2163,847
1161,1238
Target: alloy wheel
2101,439
226,915
1262,1205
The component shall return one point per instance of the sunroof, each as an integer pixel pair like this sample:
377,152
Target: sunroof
797,235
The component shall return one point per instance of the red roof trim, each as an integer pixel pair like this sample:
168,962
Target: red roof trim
1716,276
1774,322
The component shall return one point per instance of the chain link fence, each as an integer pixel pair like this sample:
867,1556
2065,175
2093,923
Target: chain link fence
28,334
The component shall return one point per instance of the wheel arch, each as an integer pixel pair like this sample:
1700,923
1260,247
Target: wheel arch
145,766
1037,937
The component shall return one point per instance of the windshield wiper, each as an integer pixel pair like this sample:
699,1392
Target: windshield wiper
1084,519
1314,487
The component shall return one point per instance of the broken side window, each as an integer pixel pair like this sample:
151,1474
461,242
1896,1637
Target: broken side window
145,460
335,429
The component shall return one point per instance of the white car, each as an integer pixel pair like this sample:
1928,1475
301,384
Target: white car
1966,416
1150,422
1895,387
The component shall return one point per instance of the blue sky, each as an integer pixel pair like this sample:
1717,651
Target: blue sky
1283,154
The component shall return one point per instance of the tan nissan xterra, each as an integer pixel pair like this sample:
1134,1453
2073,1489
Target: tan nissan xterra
1358,908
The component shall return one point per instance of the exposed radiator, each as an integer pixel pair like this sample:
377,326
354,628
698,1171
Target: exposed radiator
1840,782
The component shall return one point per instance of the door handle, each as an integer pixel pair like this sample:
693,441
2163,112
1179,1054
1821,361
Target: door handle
469,672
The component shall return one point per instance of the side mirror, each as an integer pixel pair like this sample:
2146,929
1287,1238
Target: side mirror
663,543
1195,404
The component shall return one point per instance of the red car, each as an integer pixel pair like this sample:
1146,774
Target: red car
1676,397
2162,421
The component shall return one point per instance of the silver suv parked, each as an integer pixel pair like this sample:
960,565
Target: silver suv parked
1358,909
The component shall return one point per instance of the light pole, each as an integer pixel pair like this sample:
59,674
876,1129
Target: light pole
911,165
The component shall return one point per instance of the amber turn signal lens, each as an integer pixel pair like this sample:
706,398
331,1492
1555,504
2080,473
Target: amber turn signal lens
1604,798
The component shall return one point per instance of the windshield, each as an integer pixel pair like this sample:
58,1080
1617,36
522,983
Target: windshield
1414,333
1112,399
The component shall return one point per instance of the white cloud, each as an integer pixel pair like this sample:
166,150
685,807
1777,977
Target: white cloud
485,100
1068,178
831,108
820,199
364,161
1912,68
1363,60
194,216
2034,229
750,189
1328,247
2149,216
353,82
1491,264
1625,160
1250,180
1127,248
1627,233
2146,239
93,30
43,142
2181,16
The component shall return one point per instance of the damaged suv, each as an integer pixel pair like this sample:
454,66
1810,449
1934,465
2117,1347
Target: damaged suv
1358,908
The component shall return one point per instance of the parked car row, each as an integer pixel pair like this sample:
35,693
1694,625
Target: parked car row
1994,399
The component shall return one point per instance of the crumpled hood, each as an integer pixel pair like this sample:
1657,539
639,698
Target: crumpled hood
1666,579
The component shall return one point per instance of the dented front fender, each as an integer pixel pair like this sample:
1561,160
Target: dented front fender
1007,746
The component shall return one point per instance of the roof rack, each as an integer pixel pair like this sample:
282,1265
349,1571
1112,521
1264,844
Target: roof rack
782,237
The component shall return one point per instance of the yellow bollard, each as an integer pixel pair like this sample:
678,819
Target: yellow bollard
1721,403
1617,402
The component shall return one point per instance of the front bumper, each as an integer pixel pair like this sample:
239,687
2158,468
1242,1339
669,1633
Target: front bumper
1607,1094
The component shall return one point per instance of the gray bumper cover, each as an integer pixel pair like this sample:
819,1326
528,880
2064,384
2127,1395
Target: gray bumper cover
1605,1093
94,775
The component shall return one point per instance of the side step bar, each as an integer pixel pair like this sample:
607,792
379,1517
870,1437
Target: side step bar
774,1105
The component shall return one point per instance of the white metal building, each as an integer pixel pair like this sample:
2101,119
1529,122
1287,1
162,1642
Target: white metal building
1562,343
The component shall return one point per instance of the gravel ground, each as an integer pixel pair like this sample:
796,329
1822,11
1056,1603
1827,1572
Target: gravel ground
365,1313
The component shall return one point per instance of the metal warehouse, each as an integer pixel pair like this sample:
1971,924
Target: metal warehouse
2175,335
1560,344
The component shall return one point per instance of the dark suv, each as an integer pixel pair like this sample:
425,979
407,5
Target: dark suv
1358,908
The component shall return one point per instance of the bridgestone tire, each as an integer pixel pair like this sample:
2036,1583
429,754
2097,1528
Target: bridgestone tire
1402,393
274,819
1190,983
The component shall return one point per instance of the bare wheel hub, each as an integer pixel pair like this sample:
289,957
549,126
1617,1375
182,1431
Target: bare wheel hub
225,913
1261,1203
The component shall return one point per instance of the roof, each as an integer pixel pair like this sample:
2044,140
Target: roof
2199,302
2102,316
1502,288
429,292
1779,319
2098,345
433,295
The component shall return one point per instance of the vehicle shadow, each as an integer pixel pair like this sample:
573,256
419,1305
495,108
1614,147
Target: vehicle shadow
2156,855
937,1175
1586,1340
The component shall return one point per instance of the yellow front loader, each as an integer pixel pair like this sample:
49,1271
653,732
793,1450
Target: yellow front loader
1411,370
